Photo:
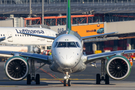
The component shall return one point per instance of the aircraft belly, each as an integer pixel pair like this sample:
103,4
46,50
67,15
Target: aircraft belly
56,68
79,67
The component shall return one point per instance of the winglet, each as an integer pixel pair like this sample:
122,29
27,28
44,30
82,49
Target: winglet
68,26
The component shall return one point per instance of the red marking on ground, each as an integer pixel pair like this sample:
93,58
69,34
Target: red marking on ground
50,74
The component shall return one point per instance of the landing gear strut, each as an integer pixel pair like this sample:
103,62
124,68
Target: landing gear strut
31,76
99,79
67,80
30,79
103,76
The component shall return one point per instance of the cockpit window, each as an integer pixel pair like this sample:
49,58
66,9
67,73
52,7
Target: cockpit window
67,44
55,44
62,44
77,44
71,44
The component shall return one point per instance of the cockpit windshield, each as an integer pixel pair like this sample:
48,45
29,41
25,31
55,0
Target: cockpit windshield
67,44
61,44
71,44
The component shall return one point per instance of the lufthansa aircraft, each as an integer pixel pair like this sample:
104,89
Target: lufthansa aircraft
67,57
11,35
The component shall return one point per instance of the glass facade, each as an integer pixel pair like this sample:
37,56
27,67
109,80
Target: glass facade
62,1
112,45
21,10
111,17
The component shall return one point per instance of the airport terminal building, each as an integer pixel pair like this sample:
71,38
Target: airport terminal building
111,15
102,10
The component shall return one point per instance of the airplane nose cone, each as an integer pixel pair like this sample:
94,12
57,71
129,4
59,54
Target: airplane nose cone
67,58
66,62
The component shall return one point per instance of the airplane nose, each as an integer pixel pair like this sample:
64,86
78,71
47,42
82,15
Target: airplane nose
67,58
66,62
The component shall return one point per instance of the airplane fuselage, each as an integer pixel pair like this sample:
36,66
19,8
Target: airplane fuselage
67,53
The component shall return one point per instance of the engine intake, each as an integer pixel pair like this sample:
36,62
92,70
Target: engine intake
16,68
118,67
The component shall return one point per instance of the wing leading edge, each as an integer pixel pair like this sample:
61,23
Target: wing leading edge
43,58
100,56
98,35
43,36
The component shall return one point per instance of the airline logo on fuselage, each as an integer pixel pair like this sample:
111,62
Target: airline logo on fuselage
30,31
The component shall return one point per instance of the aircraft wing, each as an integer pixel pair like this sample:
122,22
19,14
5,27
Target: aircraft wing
43,36
86,37
43,58
100,56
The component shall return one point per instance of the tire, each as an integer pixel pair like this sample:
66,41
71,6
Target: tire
98,79
37,79
106,79
28,79
69,83
64,83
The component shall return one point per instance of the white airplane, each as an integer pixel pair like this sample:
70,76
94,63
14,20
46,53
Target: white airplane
11,35
67,57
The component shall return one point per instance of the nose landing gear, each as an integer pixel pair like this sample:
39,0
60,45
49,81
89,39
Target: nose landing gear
66,81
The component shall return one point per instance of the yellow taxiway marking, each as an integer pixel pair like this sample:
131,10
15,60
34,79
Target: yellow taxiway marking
54,79
76,79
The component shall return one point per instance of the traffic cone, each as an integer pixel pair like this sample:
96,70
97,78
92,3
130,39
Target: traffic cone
131,62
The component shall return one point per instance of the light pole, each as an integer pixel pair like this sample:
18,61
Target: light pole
42,12
30,12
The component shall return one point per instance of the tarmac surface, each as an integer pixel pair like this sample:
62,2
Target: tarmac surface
52,80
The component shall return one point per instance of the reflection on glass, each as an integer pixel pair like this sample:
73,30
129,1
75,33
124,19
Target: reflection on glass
67,44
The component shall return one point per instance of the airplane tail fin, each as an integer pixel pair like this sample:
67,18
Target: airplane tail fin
68,24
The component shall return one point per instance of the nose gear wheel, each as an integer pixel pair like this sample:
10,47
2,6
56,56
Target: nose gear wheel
66,81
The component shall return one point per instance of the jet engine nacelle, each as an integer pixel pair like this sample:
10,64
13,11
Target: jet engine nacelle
16,68
118,67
